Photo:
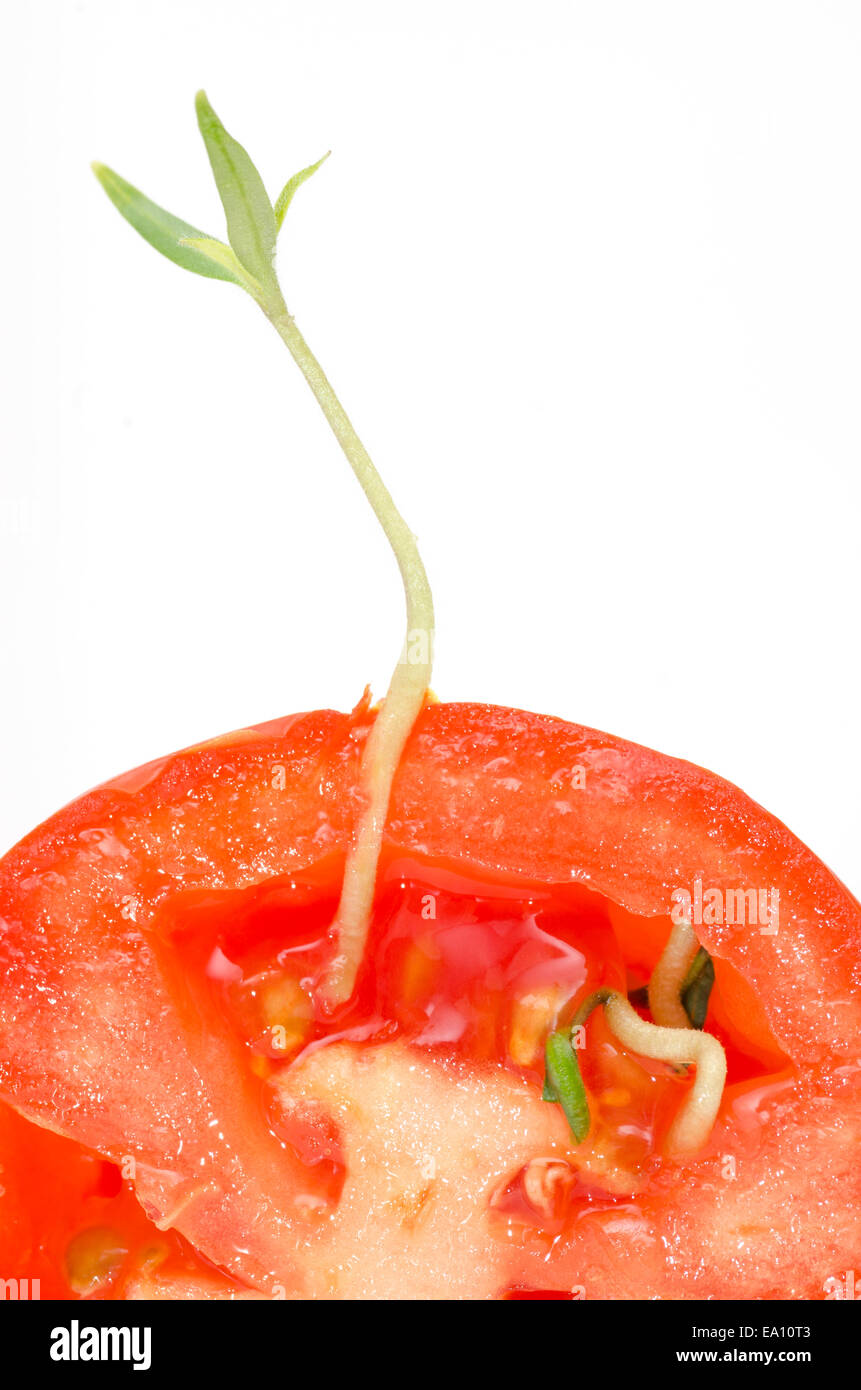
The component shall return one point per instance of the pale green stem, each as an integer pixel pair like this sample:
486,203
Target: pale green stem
407,689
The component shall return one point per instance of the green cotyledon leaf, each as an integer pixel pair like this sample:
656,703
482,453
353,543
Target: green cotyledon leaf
563,1083
251,227
285,197
168,234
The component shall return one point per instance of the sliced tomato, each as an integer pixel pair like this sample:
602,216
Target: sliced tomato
149,946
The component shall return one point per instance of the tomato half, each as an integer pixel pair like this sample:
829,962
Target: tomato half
160,940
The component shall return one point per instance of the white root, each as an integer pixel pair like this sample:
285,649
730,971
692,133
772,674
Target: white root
380,761
693,1124
668,976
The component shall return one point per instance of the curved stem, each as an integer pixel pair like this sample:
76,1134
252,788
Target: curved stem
669,975
407,688
693,1124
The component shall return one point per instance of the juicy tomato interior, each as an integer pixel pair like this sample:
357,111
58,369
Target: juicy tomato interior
454,965
70,1220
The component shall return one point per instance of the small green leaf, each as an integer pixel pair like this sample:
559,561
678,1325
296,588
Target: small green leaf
697,987
251,226
285,197
168,234
223,256
564,1079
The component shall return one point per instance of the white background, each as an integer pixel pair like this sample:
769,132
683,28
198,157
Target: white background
587,278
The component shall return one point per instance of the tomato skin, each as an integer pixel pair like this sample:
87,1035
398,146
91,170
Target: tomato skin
506,794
